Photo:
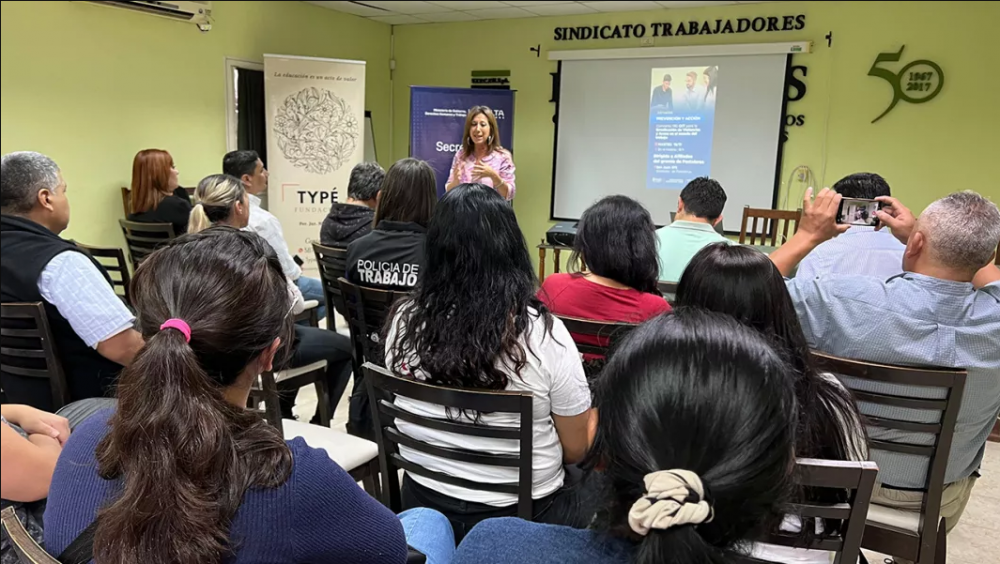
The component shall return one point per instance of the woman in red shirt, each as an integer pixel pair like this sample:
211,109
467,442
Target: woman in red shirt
616,241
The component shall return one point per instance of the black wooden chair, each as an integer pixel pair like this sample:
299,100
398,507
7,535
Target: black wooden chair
113,260
668,289
917,536
383,387
606,332
359,457
366,310
28,350
25,547
332,264
144,238
856,477
586,331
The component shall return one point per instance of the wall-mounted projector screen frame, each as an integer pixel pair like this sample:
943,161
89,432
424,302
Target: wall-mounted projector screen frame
779,56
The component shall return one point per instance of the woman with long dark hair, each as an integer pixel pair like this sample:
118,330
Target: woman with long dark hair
744,283
616,241
182,471
221,199
392,255
694,442
474,322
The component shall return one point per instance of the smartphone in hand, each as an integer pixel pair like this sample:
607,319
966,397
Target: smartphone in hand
856,211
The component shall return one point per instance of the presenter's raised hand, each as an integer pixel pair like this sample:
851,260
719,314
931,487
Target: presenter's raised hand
819,215
897,217
483,170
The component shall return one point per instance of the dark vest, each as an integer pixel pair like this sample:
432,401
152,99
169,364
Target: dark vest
25,249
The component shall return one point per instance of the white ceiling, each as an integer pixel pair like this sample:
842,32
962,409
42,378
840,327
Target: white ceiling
403,12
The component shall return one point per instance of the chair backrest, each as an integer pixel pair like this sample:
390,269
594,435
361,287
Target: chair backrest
607,333
113,260
906,389
858,478
718,226
383,387
27,348
366,310
127,198
768,225
143,238
332,264
25,547
668,289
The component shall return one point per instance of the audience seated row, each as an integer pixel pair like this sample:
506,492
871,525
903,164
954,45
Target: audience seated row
222,200
476,320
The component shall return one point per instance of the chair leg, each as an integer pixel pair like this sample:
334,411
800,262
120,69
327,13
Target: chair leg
370,480
391,491
323,400
941,550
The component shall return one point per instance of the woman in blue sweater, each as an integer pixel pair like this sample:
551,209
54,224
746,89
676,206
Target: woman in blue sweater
182,472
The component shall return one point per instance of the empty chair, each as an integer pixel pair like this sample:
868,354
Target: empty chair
768,221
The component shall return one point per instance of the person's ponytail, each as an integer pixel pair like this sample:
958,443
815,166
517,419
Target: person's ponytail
172,443
199,219
181,452
679,545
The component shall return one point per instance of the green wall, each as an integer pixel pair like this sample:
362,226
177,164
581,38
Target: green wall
925,151
90,86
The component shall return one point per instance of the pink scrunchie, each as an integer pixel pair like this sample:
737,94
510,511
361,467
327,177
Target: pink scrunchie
180,325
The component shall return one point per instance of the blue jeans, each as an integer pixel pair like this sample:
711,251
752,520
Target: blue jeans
429,532
312,289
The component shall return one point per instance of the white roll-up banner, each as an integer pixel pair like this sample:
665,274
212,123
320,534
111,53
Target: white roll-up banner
315,136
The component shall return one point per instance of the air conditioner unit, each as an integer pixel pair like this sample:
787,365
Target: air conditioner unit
198,13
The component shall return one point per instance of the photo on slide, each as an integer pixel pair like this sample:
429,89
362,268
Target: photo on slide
681,120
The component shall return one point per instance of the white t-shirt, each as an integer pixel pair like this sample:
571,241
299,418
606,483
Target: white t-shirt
553,374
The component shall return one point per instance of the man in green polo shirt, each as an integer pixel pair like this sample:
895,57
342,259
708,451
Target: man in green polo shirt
699,209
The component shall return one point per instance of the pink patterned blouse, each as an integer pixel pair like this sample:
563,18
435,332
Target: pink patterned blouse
499,160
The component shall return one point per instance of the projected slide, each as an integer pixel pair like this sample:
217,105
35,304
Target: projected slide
681,120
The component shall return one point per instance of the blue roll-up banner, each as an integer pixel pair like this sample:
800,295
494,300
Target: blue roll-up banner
437,123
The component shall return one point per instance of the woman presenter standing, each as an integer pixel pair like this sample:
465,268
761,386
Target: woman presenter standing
481,158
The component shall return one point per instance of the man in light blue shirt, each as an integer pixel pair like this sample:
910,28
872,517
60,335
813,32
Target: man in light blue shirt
699,210
932,314
861,250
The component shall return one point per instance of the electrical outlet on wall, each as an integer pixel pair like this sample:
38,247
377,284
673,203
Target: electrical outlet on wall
646,42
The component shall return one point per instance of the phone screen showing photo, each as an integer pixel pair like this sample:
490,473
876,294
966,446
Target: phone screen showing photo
858,212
